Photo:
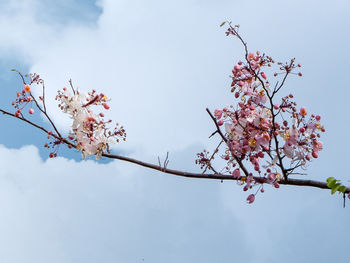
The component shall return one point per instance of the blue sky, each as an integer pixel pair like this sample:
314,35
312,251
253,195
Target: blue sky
163,63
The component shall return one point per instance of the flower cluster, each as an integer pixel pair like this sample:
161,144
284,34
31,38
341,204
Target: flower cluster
89,131
23,99
260,133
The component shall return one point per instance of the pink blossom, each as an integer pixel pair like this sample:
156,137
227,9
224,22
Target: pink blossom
236,173
303,111
218,114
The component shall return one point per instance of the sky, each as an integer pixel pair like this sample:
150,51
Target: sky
162,63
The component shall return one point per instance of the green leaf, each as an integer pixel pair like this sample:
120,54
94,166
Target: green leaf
13,69
331,183
342,189
222,24
335,188
329,179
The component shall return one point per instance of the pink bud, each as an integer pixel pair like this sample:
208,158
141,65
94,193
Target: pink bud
31,111
315,154
49,132
276,185
220,122
240,83
218,113
106,106
263,75
262,190
236,94
102,115
236,173
318,118
250,198
302,129
227,157
276,106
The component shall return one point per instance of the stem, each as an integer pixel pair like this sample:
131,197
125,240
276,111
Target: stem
215,176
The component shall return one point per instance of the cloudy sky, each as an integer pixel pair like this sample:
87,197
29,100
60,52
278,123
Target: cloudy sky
163,63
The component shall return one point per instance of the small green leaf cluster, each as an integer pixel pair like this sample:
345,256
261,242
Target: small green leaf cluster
335,185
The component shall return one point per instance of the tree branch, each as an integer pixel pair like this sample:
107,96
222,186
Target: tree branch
215,176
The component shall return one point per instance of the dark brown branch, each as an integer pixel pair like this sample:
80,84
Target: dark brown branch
239,161
261,180
217,126
295,182
45,113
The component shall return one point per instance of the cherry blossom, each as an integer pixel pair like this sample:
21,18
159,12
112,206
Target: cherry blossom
89,130
268,134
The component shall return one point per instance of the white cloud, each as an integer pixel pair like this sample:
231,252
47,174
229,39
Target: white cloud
66,211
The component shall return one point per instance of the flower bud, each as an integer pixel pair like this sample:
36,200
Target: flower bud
26,88
250,198
106,106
